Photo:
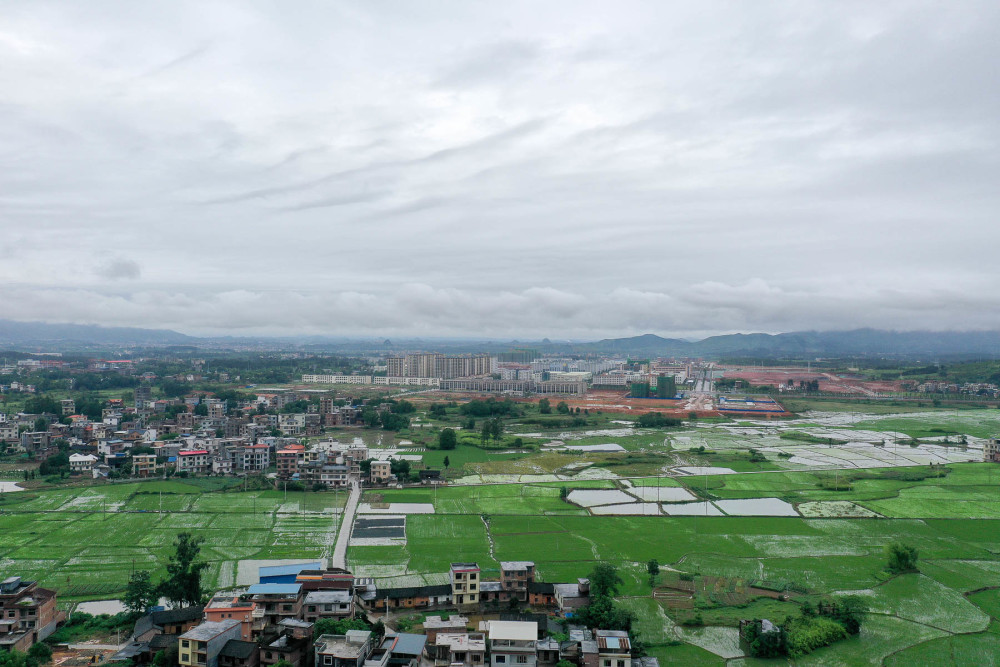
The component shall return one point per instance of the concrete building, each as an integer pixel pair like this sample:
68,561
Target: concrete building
465,581
200,646
514,578
513,643
293,644
613,648
460,648
381,472
231,607
347,650
328,604
277,601
28,613
144,465
82,463
991,450
194,461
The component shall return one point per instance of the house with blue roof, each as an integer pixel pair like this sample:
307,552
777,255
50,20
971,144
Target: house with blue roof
285,574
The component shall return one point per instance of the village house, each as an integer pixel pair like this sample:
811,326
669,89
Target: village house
991,450
613,648
28,613
515,576
465,584
512,643
413,597
347,650
433,625
244,610
571,597
277,601
194,461
404,649
81,463
200,646
460,648
144,465
381,472
328,604
239,653
293,644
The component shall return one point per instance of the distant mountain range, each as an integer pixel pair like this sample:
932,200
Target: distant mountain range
41,334
877,343
808,344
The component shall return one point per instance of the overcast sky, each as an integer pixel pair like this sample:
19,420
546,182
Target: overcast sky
500,169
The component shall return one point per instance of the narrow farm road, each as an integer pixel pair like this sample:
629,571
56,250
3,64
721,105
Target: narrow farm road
346,526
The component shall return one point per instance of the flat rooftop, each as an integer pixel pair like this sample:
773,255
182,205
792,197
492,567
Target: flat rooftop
513,630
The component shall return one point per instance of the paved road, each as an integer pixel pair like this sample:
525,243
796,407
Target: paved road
346,526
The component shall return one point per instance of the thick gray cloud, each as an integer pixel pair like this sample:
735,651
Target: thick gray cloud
500,169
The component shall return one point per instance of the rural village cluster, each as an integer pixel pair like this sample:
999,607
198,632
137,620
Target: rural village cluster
92,423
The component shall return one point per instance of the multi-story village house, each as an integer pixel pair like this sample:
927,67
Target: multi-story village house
28,613
465,584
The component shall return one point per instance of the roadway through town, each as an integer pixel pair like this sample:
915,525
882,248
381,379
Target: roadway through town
346,526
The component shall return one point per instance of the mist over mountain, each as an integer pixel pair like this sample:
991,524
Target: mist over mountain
67,335
792,345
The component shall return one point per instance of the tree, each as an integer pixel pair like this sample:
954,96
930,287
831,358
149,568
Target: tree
604,580
653,567
447,439
544,407
140,594
562,408
496,429
902,558
563,492
183,583
160,659
41,652
447,463
602,612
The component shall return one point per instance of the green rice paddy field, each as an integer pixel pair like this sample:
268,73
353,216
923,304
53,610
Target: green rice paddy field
84,541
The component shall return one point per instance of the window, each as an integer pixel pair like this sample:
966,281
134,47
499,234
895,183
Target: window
501,659
522,659
185,657
185,643
327,659
621,663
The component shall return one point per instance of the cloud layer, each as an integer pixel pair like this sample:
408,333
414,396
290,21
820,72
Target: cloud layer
500,170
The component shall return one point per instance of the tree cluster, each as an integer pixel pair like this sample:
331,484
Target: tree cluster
182,585
902,558
492,429
489,407
828,622
602,612
656,420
